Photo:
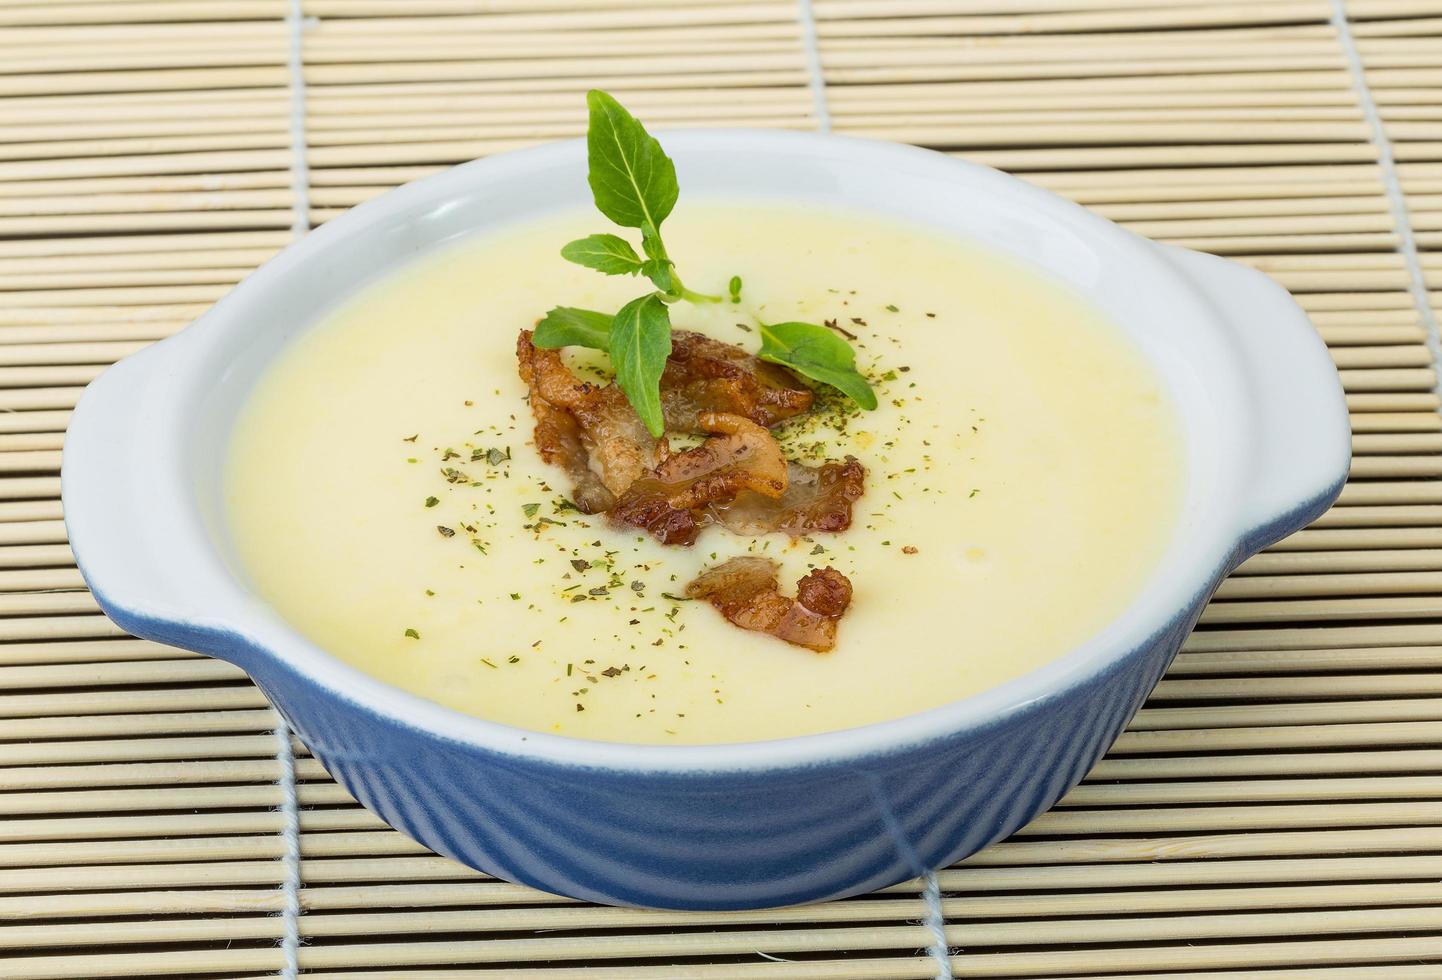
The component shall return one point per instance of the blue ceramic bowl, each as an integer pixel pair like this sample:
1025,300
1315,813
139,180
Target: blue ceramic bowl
727,826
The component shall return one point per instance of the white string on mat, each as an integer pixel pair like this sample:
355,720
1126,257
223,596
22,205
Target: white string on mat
815,75
936,923
296,25
1396,198
290,858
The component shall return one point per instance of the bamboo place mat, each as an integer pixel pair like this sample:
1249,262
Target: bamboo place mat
1274,811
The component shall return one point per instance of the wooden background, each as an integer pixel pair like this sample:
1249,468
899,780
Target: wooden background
1275,810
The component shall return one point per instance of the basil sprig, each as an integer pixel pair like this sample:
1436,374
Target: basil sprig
633,182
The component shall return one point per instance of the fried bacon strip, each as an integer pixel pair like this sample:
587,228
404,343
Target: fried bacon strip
706,375
672,502
817,498
589,430
738,477
747,592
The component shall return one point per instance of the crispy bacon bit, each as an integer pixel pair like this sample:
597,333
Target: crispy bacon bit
706,375
817,498
738,477
590,430
673,501
746,591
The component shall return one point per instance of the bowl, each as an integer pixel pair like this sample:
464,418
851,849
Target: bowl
731,826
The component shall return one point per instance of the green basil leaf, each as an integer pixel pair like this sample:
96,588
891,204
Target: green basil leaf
734,288
818,354
640,344
610,254
631,178
567,326
661,272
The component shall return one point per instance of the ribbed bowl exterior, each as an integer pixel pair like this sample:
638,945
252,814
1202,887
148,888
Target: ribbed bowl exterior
722,840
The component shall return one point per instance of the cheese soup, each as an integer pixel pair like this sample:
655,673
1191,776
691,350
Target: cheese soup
1023,473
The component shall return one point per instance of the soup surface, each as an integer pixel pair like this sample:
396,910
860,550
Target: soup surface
1024,471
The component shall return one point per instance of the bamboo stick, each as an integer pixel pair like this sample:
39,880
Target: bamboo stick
1255,208
248,847
853,968
1255,791
1350,539
1048,98
1359,335
39,298
31,579
152,773
578,16
1374,467
1253,688
147,330
1299,661
191,670
1289,737
543,917
541,914
100,276
1396,422
1339,584
1321,610
194,901
964,907
49,828
1273,764
88,651
1382,972
32,532
22,377
186,244
1330,712
105,352
102,12
35,555
1069,22
1391,402
161,699
1401,492
30,510
57,628
1167,156
1352,301
25,399
1224,846
144,164
180,722
110,202
214,873
886,937
484,893
140,750
170,798
1309,637
244,181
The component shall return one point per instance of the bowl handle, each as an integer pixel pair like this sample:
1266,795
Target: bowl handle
1301,440
127,515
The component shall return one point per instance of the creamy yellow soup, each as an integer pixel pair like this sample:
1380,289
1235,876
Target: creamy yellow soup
1024,472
